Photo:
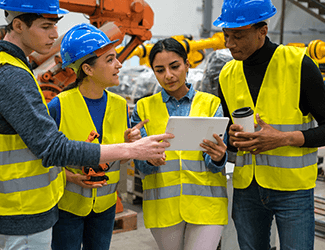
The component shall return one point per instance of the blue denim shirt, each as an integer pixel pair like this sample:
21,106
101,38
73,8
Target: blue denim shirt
180,107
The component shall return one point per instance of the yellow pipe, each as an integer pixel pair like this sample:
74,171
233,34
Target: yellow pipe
215,42
316,48
195,57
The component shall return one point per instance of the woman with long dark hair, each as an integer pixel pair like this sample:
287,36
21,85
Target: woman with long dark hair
184,192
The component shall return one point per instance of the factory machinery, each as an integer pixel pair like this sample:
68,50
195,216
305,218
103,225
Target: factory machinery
117,19
133,18
53,78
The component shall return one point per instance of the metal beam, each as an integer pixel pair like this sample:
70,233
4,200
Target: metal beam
319,17
207,18
282,20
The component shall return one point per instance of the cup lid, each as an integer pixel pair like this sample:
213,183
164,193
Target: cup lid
242,112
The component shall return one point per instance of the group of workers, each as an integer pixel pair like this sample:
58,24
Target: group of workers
45,199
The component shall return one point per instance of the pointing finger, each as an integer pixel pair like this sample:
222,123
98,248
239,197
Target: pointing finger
161,137
140,124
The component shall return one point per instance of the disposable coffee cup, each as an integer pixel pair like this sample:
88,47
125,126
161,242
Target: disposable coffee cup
244,117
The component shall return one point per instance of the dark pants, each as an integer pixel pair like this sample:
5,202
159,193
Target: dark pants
253,211
93,231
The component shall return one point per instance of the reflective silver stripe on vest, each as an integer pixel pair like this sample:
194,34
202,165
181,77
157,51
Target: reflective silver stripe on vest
74,188
246,159
207,191
188,189
87,192
195,166
170,166
294,127
286,161
29,183
162,193
278,161
16,156
105,190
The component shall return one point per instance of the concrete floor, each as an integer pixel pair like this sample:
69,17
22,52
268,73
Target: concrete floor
141,239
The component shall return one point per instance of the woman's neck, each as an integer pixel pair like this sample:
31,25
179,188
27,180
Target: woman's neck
91,90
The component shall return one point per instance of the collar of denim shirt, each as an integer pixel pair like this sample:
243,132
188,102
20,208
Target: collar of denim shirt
189,95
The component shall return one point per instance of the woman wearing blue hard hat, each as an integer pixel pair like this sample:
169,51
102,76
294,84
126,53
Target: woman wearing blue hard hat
87,208
276,168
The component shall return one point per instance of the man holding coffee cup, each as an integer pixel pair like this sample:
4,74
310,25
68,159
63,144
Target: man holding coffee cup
276,165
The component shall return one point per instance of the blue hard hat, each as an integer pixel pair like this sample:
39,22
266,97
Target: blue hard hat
81,41
33,6
239,13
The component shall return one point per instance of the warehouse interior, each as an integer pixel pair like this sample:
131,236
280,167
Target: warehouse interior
297,23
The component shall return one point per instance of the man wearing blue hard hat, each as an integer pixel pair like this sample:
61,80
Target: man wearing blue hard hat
30,144
276,166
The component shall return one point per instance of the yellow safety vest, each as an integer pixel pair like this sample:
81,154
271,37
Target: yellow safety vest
284,168
26,186
184,188
76,123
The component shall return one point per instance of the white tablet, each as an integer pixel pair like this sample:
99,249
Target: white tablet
190,131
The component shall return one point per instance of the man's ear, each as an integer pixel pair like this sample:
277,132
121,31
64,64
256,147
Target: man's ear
264,30
18,25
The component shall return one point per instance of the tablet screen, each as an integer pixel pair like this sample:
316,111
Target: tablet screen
190,131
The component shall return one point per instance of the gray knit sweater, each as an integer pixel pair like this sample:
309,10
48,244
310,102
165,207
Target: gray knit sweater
22,111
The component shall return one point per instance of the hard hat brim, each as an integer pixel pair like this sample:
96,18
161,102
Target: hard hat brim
11,15
104,49
222,24
59,11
